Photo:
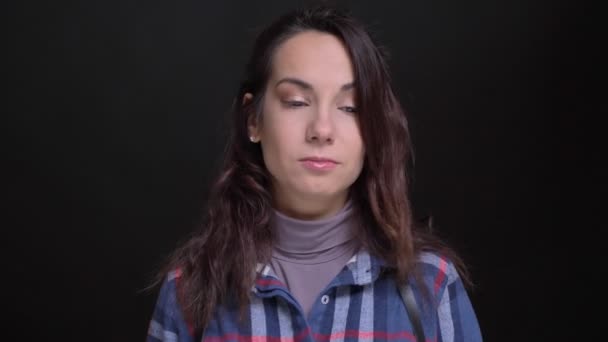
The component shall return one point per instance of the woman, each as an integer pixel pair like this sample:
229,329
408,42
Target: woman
309,234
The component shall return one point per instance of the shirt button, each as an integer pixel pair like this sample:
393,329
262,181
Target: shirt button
325,299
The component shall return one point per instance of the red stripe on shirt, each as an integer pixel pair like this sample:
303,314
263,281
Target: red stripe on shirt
441,274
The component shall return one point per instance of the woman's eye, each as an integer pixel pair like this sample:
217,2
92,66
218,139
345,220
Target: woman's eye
295,104
348,109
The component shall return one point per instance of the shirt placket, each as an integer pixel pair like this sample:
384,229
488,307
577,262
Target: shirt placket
357,272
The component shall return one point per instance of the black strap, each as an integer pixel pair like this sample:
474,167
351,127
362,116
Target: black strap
412,310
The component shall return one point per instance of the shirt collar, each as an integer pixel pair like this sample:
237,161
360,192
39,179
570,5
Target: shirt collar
362,269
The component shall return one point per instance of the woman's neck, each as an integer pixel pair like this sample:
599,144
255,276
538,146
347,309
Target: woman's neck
309,207
305,239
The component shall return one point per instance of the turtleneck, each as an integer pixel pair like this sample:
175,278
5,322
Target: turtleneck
307,255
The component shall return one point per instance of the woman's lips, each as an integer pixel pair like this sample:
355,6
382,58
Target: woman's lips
318,164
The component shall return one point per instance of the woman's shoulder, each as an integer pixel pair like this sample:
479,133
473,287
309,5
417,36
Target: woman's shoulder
167,322
173,275
450,303
437,271
167,296
170,280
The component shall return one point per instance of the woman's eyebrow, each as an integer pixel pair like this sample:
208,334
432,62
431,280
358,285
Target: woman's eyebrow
307,86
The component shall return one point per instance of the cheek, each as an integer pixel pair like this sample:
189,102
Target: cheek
279,146
359,158
357,151
354,139
282,129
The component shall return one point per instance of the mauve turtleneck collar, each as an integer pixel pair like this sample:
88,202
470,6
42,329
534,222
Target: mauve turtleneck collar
313,241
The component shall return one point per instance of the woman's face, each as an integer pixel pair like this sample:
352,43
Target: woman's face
309,129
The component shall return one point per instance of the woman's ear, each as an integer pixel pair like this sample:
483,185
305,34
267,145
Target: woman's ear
252,120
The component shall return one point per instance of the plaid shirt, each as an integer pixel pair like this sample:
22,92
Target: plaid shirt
360,304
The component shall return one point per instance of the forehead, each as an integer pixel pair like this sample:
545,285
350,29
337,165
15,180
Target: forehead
318,58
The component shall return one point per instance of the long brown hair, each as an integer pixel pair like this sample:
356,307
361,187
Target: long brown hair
221,258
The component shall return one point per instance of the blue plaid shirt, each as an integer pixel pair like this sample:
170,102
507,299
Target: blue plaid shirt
360,304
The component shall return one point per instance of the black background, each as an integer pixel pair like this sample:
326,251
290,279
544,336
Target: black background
116,119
